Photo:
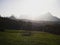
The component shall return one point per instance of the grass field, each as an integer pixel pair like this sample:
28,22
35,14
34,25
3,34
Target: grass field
16,37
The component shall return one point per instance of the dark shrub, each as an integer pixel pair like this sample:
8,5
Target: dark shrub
2,30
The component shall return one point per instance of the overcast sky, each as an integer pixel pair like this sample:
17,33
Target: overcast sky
29,8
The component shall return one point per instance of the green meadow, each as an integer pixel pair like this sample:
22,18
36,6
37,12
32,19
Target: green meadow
20,37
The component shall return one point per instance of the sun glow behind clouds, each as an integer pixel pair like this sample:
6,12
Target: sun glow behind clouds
29,9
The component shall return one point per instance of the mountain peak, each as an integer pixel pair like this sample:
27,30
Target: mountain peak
48,17
12,17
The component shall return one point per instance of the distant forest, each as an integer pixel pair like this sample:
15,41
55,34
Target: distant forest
19,24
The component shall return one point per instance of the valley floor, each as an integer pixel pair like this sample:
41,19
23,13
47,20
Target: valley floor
21,37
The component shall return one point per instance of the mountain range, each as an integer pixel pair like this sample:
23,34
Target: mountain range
45,17
46,23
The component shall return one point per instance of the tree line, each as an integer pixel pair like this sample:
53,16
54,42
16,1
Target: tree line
7,23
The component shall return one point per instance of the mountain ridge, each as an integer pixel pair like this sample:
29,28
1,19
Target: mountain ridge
48,17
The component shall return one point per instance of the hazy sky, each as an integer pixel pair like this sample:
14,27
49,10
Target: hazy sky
29,8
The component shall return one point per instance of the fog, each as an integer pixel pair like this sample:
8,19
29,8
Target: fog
29,9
